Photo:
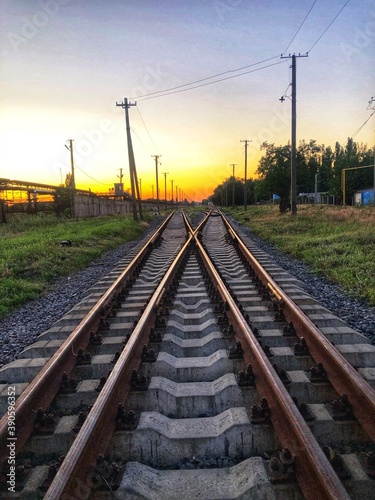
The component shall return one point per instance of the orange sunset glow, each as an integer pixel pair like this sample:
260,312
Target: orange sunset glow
65,65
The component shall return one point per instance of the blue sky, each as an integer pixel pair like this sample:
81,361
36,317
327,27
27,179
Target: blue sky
65,63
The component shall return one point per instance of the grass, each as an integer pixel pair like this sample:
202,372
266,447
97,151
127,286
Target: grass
32,259
336,242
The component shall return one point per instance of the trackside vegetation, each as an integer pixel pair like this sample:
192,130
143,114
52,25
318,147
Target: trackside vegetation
32,257
336,242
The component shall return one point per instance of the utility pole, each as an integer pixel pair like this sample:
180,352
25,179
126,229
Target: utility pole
157,179
132,168
177,195
172,192
121,175
152,187
293,165
371,105
73,180
165,188
140,188
233,166
246,141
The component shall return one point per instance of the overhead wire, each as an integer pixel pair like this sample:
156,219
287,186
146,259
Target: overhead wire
204,79
144,124
193,84
330,24
139,139
89,176
211,83
361,127
303,22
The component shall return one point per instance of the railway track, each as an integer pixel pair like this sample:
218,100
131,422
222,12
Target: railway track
197,369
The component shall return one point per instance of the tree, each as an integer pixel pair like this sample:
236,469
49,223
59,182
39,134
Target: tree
315,163
223,194
352,156
274,172
69,181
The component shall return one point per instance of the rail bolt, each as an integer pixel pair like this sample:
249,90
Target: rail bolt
235,351
317,373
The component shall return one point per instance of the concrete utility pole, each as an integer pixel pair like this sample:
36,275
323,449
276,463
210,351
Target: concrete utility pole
157,178
371,105
233,166
73,180
70,147
246,141
132,168
177,195
293,166
165,188
172,192
121,175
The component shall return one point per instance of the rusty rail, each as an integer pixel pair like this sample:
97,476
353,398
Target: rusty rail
98,428
44,387
314,473
344,378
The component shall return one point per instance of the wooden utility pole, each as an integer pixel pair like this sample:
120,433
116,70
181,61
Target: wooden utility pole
136,199
246,141
293,159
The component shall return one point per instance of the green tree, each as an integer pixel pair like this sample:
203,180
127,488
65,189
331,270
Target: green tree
274,172
352,156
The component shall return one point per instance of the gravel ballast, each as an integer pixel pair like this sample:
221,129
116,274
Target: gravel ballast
21,328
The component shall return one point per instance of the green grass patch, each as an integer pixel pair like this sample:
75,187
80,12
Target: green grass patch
336,242
31,257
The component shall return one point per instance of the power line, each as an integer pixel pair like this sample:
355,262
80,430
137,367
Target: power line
211,83
303,22
330,24
204,79
89,176
151,139
141,142
361,127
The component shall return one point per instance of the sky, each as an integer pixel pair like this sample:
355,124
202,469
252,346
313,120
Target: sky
66,63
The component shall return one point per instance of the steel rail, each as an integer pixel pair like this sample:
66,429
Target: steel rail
314,473
74,474
342,375
44,387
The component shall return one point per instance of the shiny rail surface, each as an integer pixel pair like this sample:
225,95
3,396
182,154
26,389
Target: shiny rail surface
190,314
